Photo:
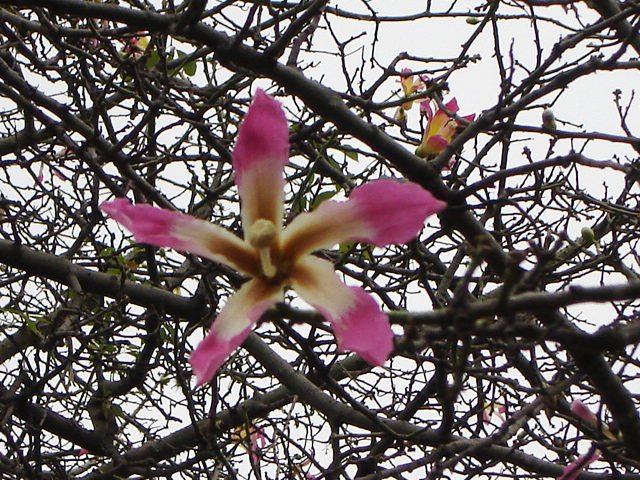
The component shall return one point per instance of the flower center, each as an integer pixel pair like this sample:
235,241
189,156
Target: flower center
262,234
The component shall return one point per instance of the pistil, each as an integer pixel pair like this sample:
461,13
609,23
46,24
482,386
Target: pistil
262,234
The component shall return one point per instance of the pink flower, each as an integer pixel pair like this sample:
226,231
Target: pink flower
572,470
494,409
257,440
410,84
381,212
440,128
135,46
581,410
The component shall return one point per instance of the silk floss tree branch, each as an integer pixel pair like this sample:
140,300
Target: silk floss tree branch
380,212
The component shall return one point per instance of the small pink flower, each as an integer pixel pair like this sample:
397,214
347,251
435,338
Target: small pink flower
574,469
255,438
494,409
582,411
440,129
135,46
382,212
410,84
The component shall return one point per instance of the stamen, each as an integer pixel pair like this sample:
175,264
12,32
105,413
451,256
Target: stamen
268,268
262,234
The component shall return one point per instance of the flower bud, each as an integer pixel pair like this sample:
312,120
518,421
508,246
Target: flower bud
588,236
548,119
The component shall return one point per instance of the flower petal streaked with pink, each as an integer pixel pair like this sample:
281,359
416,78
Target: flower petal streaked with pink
350,310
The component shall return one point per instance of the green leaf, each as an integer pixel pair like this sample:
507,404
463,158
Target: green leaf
301,204
321,197
365,250
333,163
352,154
32,325
366,253
117,411
107,252
190,68
154,58
116,272
167,333
345,247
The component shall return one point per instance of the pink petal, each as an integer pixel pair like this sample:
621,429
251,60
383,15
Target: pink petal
257,440
581,410
165,228
425,106
380,212
436,144
40,177
486,413
364,329
574,469
232,326
260,154
357,321
394,211
212,352
452,105
450,164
